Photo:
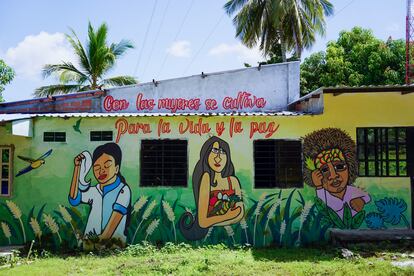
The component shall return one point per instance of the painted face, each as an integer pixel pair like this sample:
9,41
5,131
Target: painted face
217,158
335,176
105,169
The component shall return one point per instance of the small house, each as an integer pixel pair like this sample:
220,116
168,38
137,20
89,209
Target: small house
235,157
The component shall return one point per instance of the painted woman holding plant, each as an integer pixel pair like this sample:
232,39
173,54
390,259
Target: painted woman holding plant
216,189
110,199
331,167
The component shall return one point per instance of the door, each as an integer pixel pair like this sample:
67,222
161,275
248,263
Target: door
410,166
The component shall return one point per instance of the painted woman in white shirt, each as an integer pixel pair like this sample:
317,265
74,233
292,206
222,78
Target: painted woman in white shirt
110,199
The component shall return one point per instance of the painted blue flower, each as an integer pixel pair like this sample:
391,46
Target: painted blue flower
391,209
374,221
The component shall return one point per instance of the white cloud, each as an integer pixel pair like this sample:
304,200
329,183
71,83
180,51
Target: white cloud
180,48
34,51
242,53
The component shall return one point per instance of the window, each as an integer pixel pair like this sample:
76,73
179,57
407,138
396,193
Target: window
382,151
101,136
164,163
278,164
6,154
54,136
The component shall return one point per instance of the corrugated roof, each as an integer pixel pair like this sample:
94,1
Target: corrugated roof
14,117
369,88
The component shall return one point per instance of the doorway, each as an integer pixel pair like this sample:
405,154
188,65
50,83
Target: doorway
410,166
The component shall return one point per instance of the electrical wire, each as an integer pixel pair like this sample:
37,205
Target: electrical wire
156,37
145,37
203,44
343,8
176,36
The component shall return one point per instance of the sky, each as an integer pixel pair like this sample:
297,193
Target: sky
172,38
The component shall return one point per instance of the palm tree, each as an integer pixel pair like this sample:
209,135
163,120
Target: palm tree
291,23
95,60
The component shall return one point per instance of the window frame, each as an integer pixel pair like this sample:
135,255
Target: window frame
11,169
277,184
101,135
54,136
141,156
379,145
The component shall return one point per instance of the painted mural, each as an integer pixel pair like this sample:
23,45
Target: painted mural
331,168
34,163
109,200
217,191
96,199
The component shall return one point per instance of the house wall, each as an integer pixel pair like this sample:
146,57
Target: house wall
297,217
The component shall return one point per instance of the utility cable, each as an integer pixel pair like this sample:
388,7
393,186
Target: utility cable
176,36
156,37
145,38
343,8
203,44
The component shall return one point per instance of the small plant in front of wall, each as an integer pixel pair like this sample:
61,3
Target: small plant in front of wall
331,217
390,210
92,243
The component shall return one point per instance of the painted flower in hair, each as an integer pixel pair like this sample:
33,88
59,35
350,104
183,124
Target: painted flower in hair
391,209
374,221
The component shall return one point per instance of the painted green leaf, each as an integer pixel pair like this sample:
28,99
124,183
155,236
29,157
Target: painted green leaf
310,164
347,216
320,205
358,219
336,220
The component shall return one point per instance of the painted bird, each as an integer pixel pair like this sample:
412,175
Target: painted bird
34,163
76,126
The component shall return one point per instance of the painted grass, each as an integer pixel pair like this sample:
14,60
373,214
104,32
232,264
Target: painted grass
215,260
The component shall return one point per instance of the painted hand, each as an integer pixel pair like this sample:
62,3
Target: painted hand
232,213
357,204
317,178
78,159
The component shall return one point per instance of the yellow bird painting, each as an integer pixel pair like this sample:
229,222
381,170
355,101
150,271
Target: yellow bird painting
34,163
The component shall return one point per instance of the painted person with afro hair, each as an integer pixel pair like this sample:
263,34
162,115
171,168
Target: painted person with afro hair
331,167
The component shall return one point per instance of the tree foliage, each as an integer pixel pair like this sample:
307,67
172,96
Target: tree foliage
293,24
356,58
95,60
6,76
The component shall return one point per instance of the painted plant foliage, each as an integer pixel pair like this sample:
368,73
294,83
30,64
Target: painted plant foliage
331,168
389,211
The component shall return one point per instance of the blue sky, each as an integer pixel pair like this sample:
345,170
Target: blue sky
169,45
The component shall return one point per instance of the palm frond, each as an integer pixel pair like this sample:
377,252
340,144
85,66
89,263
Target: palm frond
233,5
118,49
50,69
67,76
79,50
100,55
119,81
45,91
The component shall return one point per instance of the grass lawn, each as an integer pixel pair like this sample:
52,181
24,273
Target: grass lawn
216,260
